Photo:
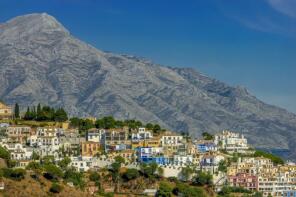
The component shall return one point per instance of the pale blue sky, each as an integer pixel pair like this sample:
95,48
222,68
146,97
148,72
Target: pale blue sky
242,42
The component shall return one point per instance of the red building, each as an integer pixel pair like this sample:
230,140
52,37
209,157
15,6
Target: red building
244,180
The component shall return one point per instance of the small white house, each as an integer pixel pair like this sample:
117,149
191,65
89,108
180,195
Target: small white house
142,134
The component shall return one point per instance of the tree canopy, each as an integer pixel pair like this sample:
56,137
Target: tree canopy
275,159
46,113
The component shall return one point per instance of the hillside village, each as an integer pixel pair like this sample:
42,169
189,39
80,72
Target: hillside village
224,162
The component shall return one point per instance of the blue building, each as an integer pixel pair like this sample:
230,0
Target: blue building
151,155
206,147
291,193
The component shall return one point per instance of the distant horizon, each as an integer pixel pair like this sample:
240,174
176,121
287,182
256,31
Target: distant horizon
217,39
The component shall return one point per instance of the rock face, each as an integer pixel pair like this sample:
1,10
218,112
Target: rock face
41,62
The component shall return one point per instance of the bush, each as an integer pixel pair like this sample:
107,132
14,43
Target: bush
164,190
275,159
75,177
52,172
203,178
184,190
110,194
226,190
64,163
131,174
55,188
4,154
35,166
207,136
94,176
15,174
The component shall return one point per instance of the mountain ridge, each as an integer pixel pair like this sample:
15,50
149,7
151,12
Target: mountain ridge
42,62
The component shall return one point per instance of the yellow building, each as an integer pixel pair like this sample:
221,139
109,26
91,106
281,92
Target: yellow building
128,155
153,142
90,149
18,134
5,111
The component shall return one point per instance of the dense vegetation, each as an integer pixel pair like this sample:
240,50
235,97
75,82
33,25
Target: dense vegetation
45,113
207,136
109,122
276,159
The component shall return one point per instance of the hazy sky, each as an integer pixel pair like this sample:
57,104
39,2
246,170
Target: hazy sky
251,43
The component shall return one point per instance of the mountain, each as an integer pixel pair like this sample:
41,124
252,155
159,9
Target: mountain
40,61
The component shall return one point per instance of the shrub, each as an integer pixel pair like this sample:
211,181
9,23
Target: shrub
34,166
184,190
207,136
275,159
164,190
55,188
131,174
203,178
52,172
4,154
94,176
64,162
15,174
75,177
227,190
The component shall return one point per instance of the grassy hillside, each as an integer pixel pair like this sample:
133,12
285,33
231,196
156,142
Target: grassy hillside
30,187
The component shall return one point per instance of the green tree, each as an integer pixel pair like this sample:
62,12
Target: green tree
15,174
115,168
47,160
257,194
52,172
149,170
75,122
275,159
75,177
185,190
203,178
16,111
119,159
55,188
60,115
39,112
29,115
106,122
34,166
156,128
165,190
131,174
222,166
207,136
94,176
186,173
35,156
64,163
4,154
149,126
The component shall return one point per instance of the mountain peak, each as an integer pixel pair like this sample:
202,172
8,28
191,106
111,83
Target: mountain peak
30,24
39,63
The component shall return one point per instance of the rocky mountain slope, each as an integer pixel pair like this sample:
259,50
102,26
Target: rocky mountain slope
40,61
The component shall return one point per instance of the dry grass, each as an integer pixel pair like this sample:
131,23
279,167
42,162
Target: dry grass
30,187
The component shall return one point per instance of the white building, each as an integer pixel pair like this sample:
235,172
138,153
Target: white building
142,134
18,151
81,164
231,142
49,131
210,162
171,140
274,185
183,160
95,135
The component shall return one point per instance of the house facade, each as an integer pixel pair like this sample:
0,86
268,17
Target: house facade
5,111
